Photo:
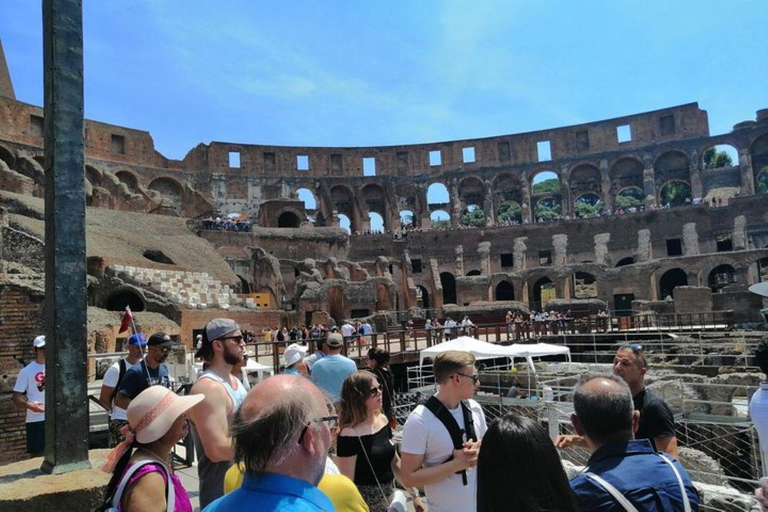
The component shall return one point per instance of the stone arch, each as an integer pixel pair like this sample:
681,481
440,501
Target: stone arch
440,219
721,276
584,285
546,195
627,172
629,260
672,165
336,303
473,216
123,297
438,196
7,156
505,291
93,175
345,223
719,155
170,190
543,291
422,297
675,193
507,198
31,168
375,199
585,178
245,286
407,219
448,281
343,202
128,179
376,221
759,153
288,220
670,280
587,205
629,197
474,272
471,190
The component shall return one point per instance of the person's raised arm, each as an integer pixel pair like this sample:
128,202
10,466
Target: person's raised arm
212,421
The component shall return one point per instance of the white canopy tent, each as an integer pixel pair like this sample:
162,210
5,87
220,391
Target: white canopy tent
484,350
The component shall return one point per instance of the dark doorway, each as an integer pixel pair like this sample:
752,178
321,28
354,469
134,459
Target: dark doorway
244,285
449,287
336,299
543,292
120,300
622,303
422,297
505,291
671,280
288,220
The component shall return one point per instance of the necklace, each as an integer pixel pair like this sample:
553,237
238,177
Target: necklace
163,460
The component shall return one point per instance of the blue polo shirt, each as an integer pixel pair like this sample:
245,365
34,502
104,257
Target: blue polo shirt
329,373
639,474
266,492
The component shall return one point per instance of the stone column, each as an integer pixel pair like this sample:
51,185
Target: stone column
484,250
560,246
488,207
518,254
690,239
697,187
455,204
526,207
747,175
602,255
644,247
649,183
66,300
458,265
605,185
739,236
565,192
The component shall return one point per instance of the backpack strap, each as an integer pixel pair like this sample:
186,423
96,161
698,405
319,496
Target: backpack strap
437,408
623,501
170,498
686,501
469,422
120,376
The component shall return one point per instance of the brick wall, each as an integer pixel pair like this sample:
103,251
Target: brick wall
21,319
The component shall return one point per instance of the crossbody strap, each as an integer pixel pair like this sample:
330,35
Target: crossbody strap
370,465
170,493
686,501
623,501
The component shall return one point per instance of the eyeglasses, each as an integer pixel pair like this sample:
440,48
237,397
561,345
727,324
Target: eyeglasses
475,378
237,339
374,391
332,422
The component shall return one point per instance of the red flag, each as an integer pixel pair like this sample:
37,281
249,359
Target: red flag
126,320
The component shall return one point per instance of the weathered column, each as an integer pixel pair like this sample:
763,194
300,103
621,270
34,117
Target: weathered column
747,175
694,168
565,193
739,236
649,183
484,250
66,397
458,266
690,239
488,207
605,185
518,254
455,204
526,207
644,247
602,255
560,246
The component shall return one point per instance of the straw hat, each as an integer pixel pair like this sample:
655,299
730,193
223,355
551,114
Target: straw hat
152,413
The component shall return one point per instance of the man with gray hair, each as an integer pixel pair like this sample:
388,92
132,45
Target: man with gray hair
282,435
623,473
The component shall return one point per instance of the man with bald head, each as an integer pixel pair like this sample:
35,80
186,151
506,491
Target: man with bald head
282,434
623,473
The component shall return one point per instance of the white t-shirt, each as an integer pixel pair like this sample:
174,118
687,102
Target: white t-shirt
110,379
424,434
31,382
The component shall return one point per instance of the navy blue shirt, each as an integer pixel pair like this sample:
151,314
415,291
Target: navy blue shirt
141,376
264,492
635,470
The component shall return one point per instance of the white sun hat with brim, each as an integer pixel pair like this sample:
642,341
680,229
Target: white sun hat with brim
152,413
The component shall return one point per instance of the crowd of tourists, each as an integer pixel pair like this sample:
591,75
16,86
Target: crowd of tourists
322,439
226,224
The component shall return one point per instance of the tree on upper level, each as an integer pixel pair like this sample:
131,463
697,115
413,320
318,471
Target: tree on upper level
474,216
510,211
550,186
714,159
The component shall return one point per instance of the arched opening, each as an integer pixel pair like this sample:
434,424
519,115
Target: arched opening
545,182
93,175
437,195
543,292
344,223
546,196
440,219
245,286
670,167
473,217
310,203
158,256
717,157
761,183
342,202
627,173
759,153
670,280
720,277
407,220
121,299
382,298
505,291
588,205
509,213
422,297
675,193
7,157
474,273
547,209
448,281
170,191
471,191
584,285
336,303
377,222
628,198
288,220
585,179
128,179
629,260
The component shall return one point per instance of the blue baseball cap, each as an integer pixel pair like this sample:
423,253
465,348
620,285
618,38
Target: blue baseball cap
137,339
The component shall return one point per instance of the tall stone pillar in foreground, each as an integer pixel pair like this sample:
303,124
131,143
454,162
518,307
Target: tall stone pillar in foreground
66,412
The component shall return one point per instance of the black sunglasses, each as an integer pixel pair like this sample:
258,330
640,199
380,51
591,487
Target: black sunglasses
332,422
237,339
374,391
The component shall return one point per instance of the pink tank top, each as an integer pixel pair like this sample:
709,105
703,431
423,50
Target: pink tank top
182,499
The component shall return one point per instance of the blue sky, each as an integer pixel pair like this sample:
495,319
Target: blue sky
378,73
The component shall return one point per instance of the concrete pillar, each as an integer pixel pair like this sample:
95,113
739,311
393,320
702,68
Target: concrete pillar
690,240
602,255
747,174
560,246
458,266
644,248
518,254
649,184
739,236
697,186
488,206
484,250
455,204
565,192
526,207
605,185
